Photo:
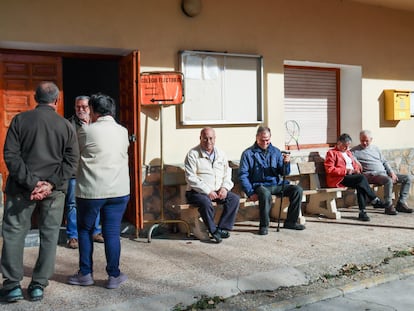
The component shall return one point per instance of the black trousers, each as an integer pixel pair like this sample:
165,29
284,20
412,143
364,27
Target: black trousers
360,183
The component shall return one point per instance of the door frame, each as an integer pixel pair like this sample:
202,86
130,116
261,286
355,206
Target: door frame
134,213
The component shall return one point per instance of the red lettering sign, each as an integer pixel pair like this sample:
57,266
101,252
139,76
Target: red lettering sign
162,88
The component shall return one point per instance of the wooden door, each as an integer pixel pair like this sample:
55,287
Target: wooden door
19,77
130,110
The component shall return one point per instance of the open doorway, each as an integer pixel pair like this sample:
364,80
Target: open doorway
77,74
116,76
87,77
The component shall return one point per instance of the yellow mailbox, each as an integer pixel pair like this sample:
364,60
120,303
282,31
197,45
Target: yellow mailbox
397,105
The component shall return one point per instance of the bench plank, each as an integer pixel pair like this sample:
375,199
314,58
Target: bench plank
248,211
322,201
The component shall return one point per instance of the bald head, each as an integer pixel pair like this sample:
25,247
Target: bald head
207,139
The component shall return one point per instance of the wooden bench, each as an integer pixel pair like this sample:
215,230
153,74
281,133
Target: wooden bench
317,198
321,199
248,211
379,190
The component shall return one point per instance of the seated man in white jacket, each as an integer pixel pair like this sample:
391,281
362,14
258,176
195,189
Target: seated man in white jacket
208,178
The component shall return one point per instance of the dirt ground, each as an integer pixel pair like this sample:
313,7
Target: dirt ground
348,274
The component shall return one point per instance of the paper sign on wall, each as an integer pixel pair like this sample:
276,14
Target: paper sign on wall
162,88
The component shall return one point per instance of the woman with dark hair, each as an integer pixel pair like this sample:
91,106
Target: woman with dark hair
102,188
342,170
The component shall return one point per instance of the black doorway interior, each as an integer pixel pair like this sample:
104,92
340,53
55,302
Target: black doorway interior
85,76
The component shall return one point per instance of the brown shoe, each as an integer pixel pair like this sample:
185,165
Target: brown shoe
403,208
72,243
98,238
390,210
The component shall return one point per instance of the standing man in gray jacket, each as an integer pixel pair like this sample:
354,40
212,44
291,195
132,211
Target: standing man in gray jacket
41,153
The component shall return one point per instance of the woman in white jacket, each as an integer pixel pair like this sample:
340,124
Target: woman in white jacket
103,188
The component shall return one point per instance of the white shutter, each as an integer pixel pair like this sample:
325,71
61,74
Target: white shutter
311,100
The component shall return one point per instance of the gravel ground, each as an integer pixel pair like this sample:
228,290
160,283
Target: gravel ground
349,273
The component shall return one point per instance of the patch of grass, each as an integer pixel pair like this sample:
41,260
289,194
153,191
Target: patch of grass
202,304
352,269
349,269
404,253
328,276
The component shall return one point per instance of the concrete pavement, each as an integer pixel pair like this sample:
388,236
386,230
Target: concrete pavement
394,293
173,269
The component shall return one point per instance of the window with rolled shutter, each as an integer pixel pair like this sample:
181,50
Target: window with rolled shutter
312,100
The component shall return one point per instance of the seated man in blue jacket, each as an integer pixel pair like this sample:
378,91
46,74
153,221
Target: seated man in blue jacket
261,168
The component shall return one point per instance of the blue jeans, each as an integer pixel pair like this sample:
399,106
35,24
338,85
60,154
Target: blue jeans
112,211
71,227
264,193
207,211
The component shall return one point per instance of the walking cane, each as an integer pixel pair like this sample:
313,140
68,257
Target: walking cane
283,189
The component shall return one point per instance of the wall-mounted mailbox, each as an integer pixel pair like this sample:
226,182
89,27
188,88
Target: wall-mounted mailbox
397,105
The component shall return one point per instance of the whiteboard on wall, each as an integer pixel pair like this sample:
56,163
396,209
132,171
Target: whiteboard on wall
221,88
412,103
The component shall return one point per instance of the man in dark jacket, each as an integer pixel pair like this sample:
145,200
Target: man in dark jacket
41,153
261,166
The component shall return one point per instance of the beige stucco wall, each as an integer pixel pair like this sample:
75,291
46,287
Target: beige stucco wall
378,41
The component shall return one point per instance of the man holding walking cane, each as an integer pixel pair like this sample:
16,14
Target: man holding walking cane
262,170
